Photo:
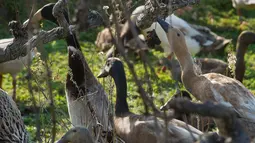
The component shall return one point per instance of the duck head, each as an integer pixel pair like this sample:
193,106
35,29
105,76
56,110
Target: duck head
94,18
45,13
177,42
111,64
76,135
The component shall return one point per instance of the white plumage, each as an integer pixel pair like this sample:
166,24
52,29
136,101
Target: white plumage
13,67
196,40
242,3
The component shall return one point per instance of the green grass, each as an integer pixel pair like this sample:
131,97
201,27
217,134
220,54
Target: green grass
225,23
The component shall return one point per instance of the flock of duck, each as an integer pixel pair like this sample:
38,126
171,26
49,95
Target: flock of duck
180,39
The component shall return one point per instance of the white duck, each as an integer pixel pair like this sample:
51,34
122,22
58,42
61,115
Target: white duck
197,37
246,4
13,67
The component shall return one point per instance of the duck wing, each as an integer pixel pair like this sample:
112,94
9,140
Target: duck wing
138,128
213,41
233,94
242,3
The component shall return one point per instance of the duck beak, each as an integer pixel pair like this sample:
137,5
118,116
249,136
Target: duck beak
102,74
163,24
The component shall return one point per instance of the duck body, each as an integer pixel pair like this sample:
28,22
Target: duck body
243,3
105,41
196,40
225,90
206,65
78,134
215,87
134,128
13,67
190,33
12,129
209,65
86,98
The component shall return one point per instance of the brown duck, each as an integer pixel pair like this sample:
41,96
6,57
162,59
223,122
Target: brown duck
213,86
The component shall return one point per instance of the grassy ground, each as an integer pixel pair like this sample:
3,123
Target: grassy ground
220,17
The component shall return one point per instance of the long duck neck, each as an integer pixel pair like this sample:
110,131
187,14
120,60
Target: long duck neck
244,40
121,106
186,62
77,63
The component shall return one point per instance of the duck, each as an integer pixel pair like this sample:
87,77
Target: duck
245,4
206,65
213,86
78,134
209,65
200,39
105,40
245,39
12,129
134,128
14,67
80,81
83,91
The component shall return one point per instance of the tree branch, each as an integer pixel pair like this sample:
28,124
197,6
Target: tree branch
153,9
228,115
19,47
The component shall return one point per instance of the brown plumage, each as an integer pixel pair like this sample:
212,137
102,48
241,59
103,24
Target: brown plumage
104,39
244,40
207,65
12,128
134,128
213,86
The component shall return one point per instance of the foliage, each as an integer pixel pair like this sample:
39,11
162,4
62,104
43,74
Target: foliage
219,16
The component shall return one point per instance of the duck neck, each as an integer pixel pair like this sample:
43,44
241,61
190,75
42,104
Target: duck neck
121,106
187,64
240,65
71,40
244,40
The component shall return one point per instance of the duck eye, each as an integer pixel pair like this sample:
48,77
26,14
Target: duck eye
74,130
108,64
178,34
